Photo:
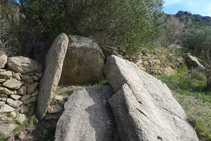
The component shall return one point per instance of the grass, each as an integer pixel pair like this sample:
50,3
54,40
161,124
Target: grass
2,137
32,121
199,112
189,90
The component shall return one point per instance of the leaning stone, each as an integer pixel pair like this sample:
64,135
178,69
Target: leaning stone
24,109
193,62
144,107
22,90
15,97
27,79
31,88
89,111
55,109
23,65
13,84
14,103
21,118
5,74
52,73
86,60
6,91
6,108
3,61
7,128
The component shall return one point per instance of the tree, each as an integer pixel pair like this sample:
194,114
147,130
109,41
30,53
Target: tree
199,40
9,22
111,22
173,31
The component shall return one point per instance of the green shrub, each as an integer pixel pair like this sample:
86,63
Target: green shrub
187,82
112,22
202,130
2,136
9,27
199,40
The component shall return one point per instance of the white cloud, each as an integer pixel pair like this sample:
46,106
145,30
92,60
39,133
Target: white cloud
171,2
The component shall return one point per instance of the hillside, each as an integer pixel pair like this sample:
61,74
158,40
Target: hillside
93,71
190,20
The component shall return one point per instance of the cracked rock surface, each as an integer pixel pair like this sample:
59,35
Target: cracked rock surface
143,106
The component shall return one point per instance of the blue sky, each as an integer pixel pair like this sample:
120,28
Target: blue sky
202,7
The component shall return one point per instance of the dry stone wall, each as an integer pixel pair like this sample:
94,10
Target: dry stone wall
19,79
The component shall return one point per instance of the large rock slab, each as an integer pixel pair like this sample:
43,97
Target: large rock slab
87,116
23,65
143,106
83,63
52,73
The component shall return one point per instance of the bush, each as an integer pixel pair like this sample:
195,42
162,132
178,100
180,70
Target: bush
112,22
9,25
199,40
186,82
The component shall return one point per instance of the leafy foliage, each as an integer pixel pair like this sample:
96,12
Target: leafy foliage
199,40
9,27
186,82
111,22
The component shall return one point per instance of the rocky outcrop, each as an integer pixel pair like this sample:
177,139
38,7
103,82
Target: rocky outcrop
52,73
160,61
83,63
23,65
87,116
193,62
15,101
143,106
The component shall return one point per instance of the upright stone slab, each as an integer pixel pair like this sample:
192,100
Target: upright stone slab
87,116
84,62
52,73
144,107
